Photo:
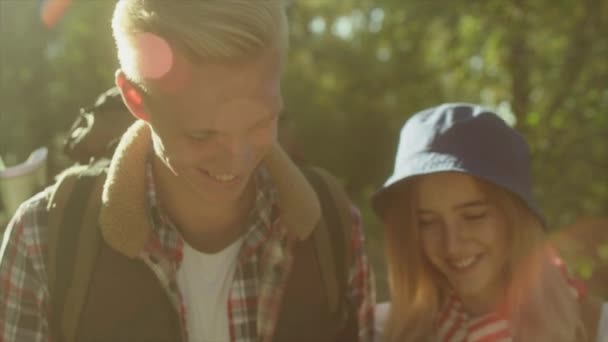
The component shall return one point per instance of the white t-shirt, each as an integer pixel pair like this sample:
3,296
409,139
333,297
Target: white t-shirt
602,331
381,312
205,281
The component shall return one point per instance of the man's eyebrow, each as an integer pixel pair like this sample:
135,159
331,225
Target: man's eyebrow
201,132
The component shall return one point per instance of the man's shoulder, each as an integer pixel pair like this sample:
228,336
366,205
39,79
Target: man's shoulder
335,186
31,219
95,167
35,206
29,223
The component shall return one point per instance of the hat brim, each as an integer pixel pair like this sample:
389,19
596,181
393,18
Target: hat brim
431,163
421,165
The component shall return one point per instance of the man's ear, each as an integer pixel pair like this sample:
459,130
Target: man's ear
131,96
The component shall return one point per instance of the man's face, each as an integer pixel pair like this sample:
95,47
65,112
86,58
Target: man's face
216,123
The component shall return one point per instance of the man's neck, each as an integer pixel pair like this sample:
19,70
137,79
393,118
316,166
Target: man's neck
207,227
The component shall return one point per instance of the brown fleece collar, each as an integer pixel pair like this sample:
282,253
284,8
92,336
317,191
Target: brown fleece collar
124,219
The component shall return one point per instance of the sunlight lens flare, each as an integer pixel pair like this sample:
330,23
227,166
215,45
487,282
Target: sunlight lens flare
52,10
155,58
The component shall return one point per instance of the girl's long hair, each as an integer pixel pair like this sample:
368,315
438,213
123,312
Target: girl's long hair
539,302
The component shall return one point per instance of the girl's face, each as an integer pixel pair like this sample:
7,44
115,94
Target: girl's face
463,235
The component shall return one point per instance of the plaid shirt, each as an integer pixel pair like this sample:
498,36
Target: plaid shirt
264,262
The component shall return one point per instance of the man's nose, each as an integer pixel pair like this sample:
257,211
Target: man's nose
236,151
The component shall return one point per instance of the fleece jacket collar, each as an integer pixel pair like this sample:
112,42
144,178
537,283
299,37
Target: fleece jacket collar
124,219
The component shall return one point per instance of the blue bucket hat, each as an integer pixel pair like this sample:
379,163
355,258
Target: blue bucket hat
463,138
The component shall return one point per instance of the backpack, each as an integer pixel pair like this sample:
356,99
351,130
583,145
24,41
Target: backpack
73,251
96,131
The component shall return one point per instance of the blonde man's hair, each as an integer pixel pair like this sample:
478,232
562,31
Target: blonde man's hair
205,30
538,299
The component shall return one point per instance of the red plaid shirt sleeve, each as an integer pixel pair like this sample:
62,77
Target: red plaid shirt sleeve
23,284
362,292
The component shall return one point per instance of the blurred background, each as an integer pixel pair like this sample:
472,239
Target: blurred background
357,70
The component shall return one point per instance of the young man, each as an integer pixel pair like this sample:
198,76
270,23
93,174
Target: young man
203,216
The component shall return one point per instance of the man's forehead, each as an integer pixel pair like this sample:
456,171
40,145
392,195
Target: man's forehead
185,78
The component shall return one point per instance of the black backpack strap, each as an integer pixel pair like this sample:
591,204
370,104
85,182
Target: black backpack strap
74,240
315,304
333,235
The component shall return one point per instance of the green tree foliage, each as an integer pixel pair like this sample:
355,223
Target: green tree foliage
357,70
541,63
47,74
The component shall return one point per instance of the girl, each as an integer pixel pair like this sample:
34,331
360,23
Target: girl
466,243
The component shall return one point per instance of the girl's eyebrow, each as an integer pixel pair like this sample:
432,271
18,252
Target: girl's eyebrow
422,211
473,203
468,204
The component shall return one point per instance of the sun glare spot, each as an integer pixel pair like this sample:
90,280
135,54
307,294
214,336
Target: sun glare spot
155,56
